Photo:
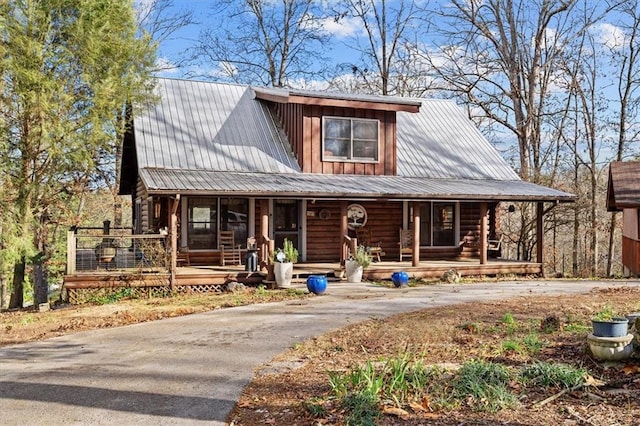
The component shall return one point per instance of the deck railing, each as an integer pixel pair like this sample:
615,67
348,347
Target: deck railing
266,248
88,250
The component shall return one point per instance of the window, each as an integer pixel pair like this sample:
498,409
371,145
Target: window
349,139
203,218
201,223
438,224
233,217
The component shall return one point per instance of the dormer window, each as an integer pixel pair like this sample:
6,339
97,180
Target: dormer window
350,139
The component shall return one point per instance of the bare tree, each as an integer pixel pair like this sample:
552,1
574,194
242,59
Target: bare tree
500,56
274,43
162,22
389,63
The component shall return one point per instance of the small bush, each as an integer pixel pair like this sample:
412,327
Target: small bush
483,385
552,375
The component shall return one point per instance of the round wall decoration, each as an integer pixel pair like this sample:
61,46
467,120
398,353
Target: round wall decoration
324,214
356,215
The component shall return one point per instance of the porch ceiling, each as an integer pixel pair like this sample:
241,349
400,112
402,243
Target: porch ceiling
299,185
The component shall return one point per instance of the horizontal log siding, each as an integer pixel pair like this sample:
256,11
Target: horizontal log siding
384,220
142,195
303,126
323,235
469,224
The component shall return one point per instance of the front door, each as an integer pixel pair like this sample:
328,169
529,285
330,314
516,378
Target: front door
286,222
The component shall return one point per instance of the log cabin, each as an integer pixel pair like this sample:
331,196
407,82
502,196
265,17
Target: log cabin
623,194
315,167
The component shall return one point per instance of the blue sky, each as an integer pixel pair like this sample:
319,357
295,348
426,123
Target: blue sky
342,34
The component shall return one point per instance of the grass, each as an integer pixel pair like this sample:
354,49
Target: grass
549,375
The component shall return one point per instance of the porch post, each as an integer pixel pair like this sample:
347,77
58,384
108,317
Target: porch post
344,229
264,232
484,230
539,232
71,252
174,241
415,259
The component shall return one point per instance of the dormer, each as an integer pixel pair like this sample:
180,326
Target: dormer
339,133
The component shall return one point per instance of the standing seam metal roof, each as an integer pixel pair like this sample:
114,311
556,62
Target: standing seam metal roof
217,138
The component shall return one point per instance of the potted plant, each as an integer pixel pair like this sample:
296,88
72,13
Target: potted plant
354,266
606,324
283,260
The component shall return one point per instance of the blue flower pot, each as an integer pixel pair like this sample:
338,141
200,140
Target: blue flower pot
400,279
317,284
617,327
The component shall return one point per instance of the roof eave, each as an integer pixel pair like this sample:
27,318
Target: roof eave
409,106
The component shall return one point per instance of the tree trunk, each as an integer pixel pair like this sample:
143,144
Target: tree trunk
17,295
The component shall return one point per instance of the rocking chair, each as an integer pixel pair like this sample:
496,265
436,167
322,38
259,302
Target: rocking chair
373,247
229,250
406,243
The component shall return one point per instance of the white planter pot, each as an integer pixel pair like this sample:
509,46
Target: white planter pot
353,271
283,273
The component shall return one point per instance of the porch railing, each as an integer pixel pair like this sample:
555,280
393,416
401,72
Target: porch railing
97,251
266,248
349,245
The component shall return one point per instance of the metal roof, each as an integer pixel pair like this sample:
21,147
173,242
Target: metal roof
440,142
205,137
210,126
309,185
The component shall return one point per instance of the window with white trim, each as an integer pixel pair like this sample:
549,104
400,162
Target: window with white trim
350,139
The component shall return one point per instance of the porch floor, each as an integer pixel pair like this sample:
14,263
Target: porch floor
384,269
218,275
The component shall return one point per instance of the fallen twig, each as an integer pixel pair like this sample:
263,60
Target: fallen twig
557,395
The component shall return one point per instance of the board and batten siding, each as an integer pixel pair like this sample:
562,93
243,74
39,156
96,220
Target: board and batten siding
303,127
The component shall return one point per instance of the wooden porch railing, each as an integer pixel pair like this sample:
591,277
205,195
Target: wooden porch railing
349,245
266,248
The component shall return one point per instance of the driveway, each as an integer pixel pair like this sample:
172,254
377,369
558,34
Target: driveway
192,369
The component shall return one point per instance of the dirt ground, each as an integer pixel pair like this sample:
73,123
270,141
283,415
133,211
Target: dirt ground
450,336
281,391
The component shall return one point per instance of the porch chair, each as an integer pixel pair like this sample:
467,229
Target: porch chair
229,250
182,257
494,247
406,243
373,247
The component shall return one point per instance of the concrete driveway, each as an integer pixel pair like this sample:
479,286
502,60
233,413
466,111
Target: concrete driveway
192,369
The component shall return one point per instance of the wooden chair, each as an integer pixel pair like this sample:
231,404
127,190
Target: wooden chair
494,247
229,250
183,257
374,247
406,243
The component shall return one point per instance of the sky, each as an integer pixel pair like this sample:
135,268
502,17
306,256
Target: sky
342,33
